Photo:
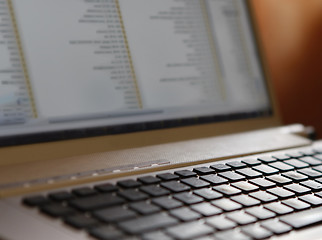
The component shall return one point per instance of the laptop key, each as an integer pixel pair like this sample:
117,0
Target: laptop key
311,161
206,209
114,214
246,187
278,208
208,194
295,154
149,180
188,198
318,156
157,235
319,180
276,227
264,197
203,170
208,237
227,190
296,163
130,183
133,195
241,218
96,202
313,185
154,191
147,223
81,221
310,172
318,168
317,149
214,179
57,210
167,203
231,235
262,183
84,192
220,223
168,176
60,196
106,188
189,230
282,167
106,233
314,201
279,179
245,200
308,152
281,193
144,208
175,186
266,170
195,182
260,213
35,201
184,214
303,219
296,204
295,176
267,159
251,162
220,167
232,176
257,232
249,173
236,164
227,205
298,189
281,157
185,173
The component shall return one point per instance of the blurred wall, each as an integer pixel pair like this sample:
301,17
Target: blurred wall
291,32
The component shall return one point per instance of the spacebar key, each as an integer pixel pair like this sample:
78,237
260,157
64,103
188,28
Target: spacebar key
149,223
303,219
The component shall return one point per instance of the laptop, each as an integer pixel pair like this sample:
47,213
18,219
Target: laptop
146,119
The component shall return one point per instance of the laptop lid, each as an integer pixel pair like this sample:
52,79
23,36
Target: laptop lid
120,74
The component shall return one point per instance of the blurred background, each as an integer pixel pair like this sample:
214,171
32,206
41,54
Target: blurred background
291,32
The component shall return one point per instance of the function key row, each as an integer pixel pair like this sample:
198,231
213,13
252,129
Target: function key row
308,178
207,176
278,185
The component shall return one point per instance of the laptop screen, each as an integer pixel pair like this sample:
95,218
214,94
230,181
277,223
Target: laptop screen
88,67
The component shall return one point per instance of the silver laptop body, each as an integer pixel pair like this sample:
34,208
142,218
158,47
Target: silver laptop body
146,119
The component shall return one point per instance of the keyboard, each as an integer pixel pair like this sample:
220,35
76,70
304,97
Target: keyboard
252,198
